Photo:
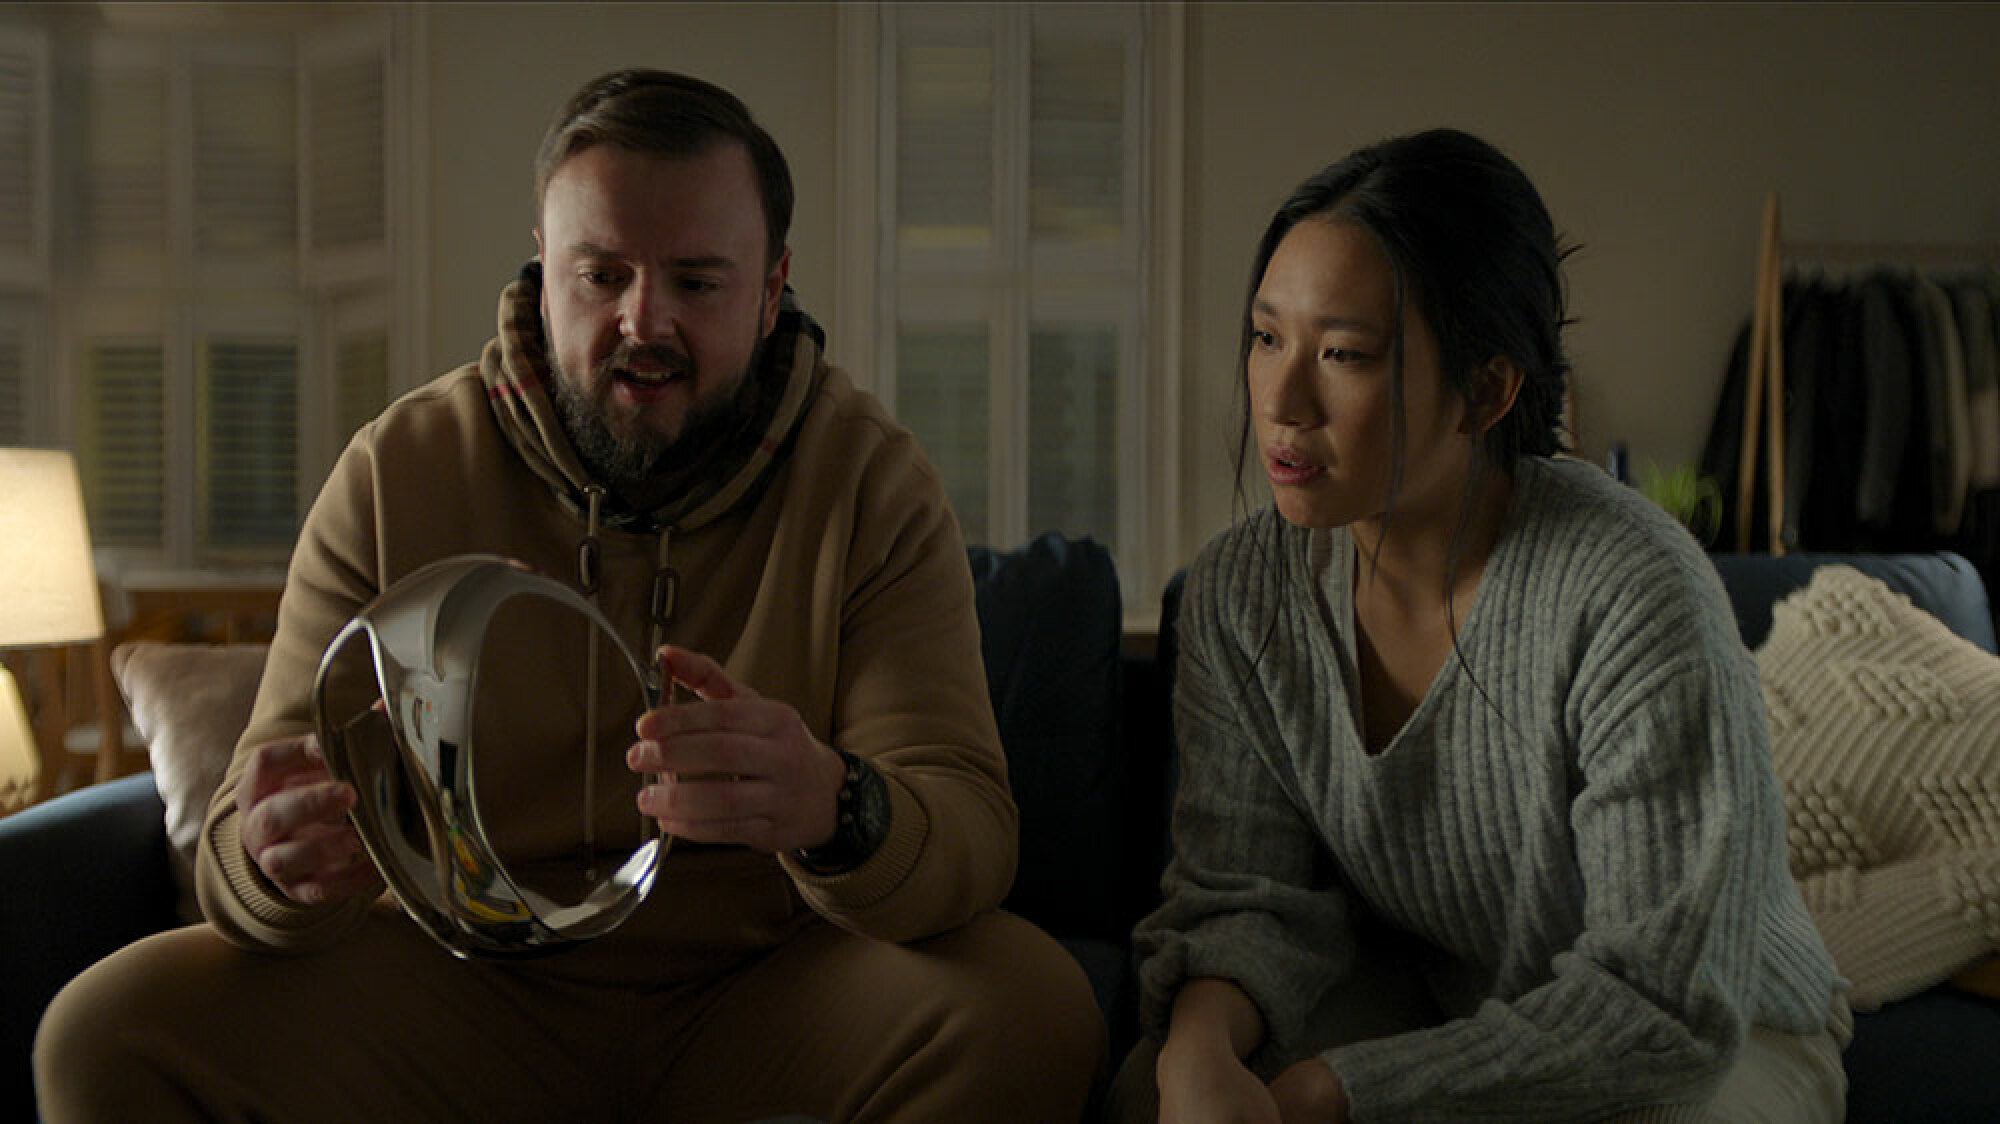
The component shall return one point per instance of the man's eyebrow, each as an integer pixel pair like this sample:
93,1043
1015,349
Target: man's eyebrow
694,261
1324,322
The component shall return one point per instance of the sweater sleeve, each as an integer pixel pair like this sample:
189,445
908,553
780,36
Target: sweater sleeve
912,700
1246,898
331,576
1677,829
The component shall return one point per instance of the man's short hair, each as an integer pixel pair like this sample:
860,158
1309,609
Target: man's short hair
662,113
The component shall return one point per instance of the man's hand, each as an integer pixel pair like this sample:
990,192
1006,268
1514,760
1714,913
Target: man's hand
733,767
294,826
1202,1082
1310,1092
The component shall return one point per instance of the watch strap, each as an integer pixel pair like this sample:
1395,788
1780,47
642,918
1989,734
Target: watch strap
861,820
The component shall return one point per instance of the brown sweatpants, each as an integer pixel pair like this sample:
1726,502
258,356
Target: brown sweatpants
776,1015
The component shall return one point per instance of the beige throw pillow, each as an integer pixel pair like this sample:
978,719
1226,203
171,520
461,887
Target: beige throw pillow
1885,731
190,703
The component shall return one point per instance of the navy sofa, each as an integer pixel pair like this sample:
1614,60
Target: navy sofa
1085,726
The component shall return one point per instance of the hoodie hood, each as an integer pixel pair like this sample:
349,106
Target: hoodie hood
517,373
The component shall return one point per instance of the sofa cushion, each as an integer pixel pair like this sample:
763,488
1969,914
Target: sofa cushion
190,703
1928,1058
1050,620
1885,732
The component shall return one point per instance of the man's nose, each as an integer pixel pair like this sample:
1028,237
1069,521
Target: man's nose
648,312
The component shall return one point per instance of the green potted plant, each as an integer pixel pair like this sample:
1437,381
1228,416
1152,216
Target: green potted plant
1688,496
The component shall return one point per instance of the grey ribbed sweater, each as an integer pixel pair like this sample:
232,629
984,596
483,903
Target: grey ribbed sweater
1595,871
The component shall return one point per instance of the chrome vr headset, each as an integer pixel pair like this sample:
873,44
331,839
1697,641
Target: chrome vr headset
405,715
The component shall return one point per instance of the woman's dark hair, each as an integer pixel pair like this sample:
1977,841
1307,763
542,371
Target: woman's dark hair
1469,240
662,113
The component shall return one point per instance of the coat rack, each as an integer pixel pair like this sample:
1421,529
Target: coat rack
1764,388
1764,391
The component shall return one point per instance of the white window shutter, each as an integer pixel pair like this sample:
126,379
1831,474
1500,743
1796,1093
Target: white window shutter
245,140
126,122
1029,119
24,158
945,123
13,381
122,437
1073,430
248,386
944,394
343,173
1077,179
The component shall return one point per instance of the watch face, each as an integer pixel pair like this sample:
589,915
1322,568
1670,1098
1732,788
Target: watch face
862,823
871,810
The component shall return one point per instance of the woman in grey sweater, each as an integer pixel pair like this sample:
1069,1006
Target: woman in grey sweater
1476,816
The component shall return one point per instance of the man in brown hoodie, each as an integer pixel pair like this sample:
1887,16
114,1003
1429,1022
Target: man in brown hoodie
654,421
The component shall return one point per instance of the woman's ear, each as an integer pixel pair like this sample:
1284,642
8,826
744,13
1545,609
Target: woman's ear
1492,393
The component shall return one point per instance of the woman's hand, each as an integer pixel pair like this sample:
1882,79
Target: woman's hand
1200,1072
1310,1092
1203,1082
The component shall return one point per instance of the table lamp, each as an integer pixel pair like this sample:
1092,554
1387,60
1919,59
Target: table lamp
48,591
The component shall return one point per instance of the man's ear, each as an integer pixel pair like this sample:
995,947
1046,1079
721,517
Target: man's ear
542,256
774,289
1492,393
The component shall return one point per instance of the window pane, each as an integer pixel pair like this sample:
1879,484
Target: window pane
125,192
1072,431
941,394
944,141
345,154
20,122
361,380
13,385
122,440
1076,138
249,470
245,163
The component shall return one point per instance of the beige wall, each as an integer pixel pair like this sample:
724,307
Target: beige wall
1654,132
497,73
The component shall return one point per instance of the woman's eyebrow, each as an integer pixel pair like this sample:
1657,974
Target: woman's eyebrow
1324,322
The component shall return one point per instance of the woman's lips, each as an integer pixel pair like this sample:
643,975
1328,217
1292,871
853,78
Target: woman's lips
1288,468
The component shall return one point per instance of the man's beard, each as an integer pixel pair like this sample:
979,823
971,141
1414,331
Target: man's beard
637,466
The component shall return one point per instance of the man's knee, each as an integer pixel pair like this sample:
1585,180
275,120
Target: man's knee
88,1040
1016,998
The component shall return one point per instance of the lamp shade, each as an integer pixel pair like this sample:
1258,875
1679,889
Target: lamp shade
48,583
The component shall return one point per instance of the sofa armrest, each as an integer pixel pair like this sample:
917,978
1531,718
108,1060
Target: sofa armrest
82,876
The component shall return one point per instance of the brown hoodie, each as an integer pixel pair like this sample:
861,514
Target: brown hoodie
826,571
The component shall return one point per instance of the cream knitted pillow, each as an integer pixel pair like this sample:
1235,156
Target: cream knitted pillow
1885,731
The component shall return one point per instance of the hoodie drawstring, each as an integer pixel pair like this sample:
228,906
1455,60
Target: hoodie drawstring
589,557
660,610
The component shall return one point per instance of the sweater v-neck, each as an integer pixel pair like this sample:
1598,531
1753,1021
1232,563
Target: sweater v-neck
1332,558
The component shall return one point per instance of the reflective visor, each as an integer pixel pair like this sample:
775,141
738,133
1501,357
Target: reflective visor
482,713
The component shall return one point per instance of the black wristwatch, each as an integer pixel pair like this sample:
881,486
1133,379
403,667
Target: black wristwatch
861,822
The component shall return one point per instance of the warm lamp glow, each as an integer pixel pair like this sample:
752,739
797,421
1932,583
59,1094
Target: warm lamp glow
20,765
48,584
48,590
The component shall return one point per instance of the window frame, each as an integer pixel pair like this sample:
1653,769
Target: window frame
30,271
182,299
869,309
